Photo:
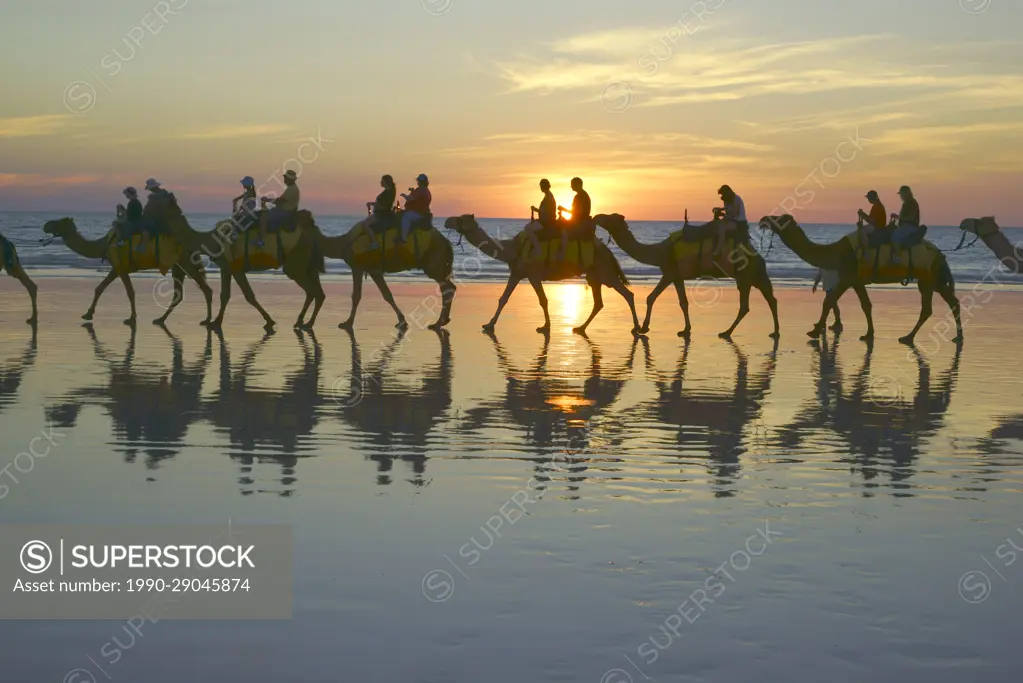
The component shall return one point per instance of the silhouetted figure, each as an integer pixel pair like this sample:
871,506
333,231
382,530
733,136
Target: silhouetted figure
381,210
731,217
580,220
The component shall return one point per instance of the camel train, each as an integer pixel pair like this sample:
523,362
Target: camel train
299,249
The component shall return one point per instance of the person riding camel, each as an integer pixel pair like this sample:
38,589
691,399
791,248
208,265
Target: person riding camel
580,212
382,209
732,217
547,216
417,205
909,223
157,197
873,227
244,216
284,209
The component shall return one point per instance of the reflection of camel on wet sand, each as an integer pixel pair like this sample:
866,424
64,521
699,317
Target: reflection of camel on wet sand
10,264
150,409
557,413
872,416
714,422
11,373
394,421
252,416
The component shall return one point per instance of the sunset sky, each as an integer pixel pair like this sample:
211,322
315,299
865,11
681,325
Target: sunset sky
653,103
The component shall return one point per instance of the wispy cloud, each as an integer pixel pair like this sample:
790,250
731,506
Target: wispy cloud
38,180
231,132
31,126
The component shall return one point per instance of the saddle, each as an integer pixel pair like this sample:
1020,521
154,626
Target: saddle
393,220
698,233
583,231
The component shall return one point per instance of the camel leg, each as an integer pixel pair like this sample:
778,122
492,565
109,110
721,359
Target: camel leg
744,290
861,292
926,296
651,298
225,294
683,301
948,294
357,276
513,282
598,304
385,292
130,291
319,296
21,276
250,296
179,286
447,293
629,297
111,276
305,307
767,289
541,296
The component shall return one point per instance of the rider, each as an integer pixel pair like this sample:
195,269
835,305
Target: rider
242,218
129,218
732,216
382,208
157,195
909,222
876,220
417,205
547,215
580,213
285,206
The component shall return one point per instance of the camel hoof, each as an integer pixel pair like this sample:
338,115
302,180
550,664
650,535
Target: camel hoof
435,326
907,340
579,330
684,334
87,316
546,329
129,321
867,338
815,332
32,321
159,321
724,335
489,328
346,325
269,326
775,335
205,323
837,327
958,340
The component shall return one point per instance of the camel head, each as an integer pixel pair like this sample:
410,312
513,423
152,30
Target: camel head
777,223
980,226
613,223
463,224
60,227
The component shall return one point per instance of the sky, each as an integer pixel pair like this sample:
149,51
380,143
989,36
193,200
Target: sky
801,106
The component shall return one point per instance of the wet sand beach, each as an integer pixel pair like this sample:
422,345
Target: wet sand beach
594,509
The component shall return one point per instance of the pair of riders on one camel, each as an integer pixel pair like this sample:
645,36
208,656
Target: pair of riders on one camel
383,212
903,229
136,219
546,221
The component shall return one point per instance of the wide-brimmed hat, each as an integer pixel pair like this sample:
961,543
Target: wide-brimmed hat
152,184
290,174
130,192
247,181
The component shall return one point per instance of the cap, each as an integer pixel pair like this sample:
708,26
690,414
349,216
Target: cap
290,174
152,184
422,176
871,195
247,181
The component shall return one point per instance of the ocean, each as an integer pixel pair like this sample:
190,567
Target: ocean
24,229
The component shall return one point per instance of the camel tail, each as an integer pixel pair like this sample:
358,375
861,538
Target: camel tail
619,273
945,278
9,258
317,261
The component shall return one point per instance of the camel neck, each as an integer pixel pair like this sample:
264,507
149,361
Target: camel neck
647,254
87,248
826,256
495,249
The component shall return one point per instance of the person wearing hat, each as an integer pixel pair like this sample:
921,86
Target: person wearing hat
244,216
157,195
732,216
417,205
285,206
873,223
580,211
381,209
909,222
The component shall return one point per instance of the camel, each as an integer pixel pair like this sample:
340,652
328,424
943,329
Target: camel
874,265
151,408
426,250
589,258
396,421
872,415
12,373
680,260
987,229
723,423
9,262
165,253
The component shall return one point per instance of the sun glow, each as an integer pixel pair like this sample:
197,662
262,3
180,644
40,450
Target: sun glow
570,300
